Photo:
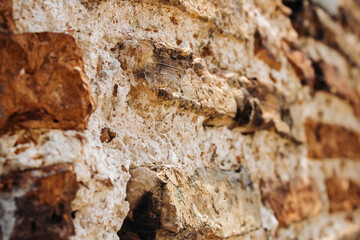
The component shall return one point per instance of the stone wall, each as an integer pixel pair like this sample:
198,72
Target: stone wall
179,119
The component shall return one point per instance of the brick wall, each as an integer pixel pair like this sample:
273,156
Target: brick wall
144,119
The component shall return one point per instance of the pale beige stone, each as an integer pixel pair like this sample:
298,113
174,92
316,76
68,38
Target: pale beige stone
199,128
210,203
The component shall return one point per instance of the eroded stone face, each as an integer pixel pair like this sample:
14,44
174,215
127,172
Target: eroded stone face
331,141
176,77
169,204
36,203
173,76
292,201
259,106
42,82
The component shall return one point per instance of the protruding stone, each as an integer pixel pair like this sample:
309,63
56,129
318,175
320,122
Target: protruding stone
43,82
172,205
174,76
260,106
292,201
36,203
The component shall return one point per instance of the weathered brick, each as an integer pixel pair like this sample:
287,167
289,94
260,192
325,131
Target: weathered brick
331,141
43,82
292,201
343,194
174,205
6,18
36,203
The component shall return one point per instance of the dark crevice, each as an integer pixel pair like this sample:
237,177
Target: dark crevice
143,221
33,226
285,115
73,214
320,83
243,117
56,219
294,5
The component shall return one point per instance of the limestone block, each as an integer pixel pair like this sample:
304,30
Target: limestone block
169,204
176,75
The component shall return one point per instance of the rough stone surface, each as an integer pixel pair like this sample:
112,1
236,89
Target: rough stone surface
169,204
189,94
175,73
36,203
42,82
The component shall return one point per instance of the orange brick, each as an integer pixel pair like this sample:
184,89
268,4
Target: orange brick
292,201
331,141
343,194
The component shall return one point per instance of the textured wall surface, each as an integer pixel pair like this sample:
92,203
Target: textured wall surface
179,119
